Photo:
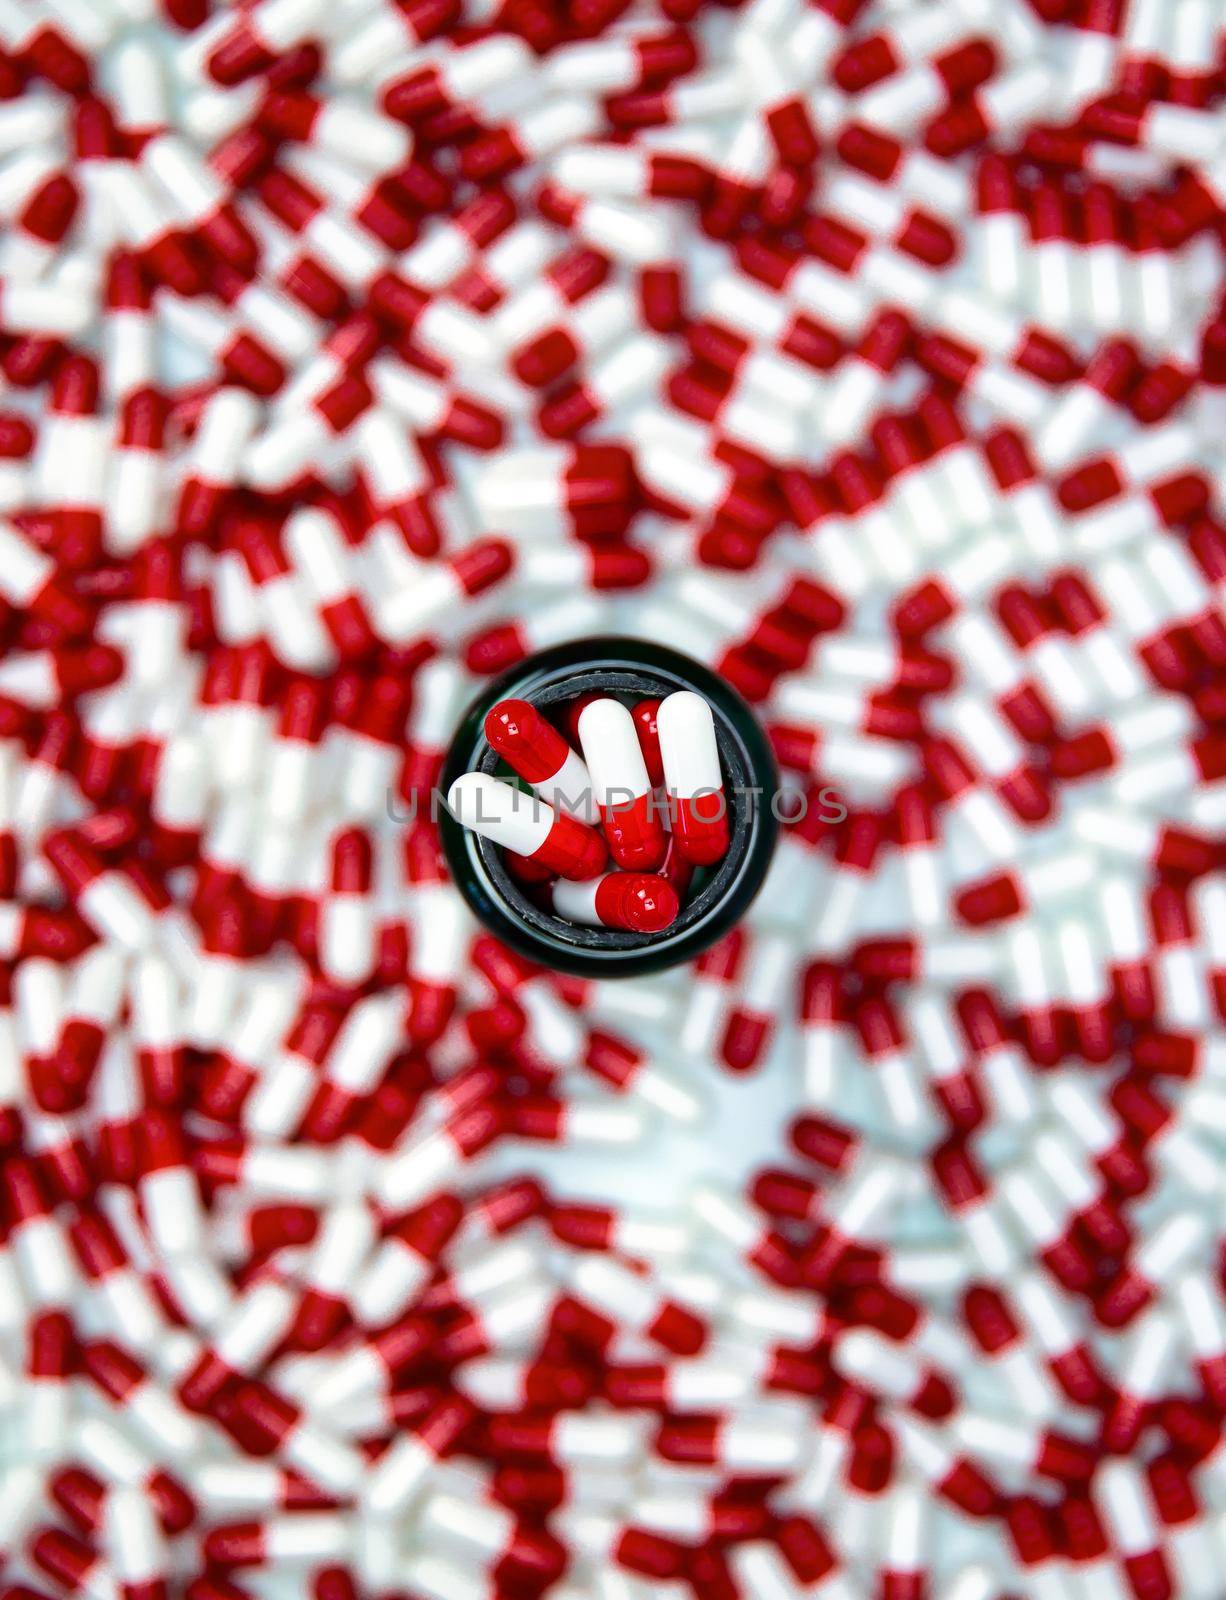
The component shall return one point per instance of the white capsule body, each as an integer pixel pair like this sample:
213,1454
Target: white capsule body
498,812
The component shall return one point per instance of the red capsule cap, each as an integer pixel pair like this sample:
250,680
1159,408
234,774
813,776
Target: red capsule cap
112,1368
427,1230
529,743
546,358
791,129
587,1227
74,389
289,115
492,155
813,604
24,1190
956,129
1022,616
662,298
784,1194
958,1176
940,421
48,213
922,609
865,62
235,1544
343,402
804,1548
1009,457
613,1059
483,564
568,411
898,442
993,900
1113,368
473,425
1179,498
858,483
677,177
870,151
824,1141
989,1320
1031,1531
618,566
967,65
859,841
556,204
304,710
67,1560
813,343
821,993
16,437
1122,1298
1027,793
352,862
1044,357
80,1496
872,1459
996,186
1170,914
877,1024
927,239
142,420
240,55
1172,1492
916,822
1083,1532
1090,485
745,1039
1185,854
945,358
722,961
1076,601
95,136
1164,387
97,1245
1051,215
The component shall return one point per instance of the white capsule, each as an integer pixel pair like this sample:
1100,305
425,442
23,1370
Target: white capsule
1202,1313
398,1477
879,1363
1163,1253
132,1537
438,1579
170,1200
1148,1354
1126,1508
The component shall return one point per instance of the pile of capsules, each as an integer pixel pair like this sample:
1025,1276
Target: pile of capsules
871,352
649,780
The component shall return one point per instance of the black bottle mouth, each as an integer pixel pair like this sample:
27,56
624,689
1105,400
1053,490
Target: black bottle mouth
636,670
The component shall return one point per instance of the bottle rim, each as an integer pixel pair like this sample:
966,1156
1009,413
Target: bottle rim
637,668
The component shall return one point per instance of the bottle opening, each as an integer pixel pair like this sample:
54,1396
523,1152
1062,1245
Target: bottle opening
630,670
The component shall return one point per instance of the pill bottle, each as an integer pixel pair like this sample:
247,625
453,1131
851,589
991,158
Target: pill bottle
632,670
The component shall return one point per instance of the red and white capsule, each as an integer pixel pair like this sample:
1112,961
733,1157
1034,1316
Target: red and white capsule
530,744
622,786
527,825
693,777
636,902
